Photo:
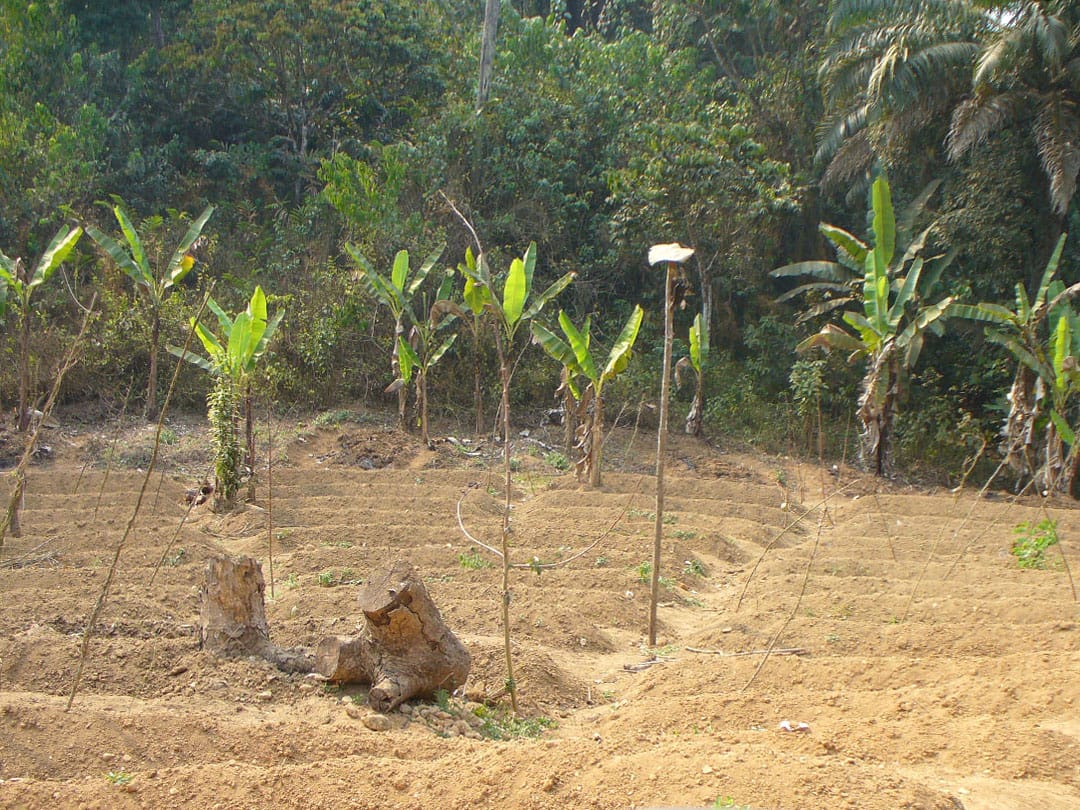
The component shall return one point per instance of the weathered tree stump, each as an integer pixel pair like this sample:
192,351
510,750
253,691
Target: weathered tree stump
232,620
405,650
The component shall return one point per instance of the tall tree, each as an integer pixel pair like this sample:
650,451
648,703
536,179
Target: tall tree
487,52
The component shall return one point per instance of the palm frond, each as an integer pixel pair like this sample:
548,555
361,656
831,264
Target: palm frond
852,160
1057,139
979,117
841,129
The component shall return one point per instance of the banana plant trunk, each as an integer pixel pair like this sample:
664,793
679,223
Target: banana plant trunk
1018,443
877,411
694,417
596,440
478,389
249,438
421,403
24,370
395,370
150,412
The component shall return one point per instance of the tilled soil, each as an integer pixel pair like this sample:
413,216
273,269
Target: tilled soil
916,665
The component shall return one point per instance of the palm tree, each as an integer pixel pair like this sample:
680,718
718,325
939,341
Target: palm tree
893,67
1028,73
896,66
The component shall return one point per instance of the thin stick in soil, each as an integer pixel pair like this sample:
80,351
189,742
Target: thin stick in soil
956,532
111,454
785,530
270,494
802,592
11,515
116,435
88,633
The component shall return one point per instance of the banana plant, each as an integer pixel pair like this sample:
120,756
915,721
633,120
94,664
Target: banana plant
232,357
397,293
509,310
20,284
421,351
1043,335
890,331
839,283
575,355
476,297
697,360
153,288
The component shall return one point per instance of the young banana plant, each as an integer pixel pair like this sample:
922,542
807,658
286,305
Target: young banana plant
232,357
396,292
697,360
421,351
575,355
19,283
153,287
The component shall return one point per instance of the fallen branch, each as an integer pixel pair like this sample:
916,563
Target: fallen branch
722,654
644,665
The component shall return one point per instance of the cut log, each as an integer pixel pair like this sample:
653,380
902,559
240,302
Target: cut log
404,650
232,620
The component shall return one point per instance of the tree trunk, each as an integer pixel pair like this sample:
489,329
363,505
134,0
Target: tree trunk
487,52
24,370
405,649
232,615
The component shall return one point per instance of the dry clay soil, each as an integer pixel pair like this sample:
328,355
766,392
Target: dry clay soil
928,669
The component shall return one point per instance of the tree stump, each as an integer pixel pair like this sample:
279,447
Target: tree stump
405,650
232,616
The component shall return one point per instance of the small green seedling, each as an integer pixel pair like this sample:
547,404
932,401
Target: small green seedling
472,561
119,777
1032,540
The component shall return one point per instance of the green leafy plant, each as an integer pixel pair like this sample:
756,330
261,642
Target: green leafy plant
119,777
694,567
326,579
414,336
575,356
472,561
1031,542
1043,335
557,460
18,281
153,287
500,726
697,360
893,286
232,359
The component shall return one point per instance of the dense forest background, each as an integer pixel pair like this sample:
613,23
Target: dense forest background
611,125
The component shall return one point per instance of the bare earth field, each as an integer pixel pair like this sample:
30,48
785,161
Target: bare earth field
930,671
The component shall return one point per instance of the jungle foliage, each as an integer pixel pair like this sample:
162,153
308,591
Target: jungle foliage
607,127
